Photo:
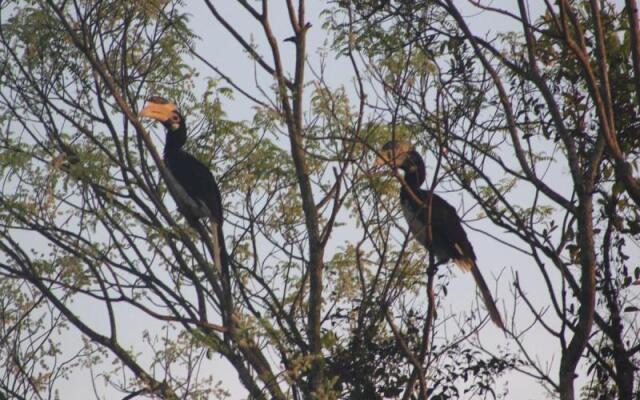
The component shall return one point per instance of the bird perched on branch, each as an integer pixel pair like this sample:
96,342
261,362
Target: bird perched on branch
447,239
194,177
198,183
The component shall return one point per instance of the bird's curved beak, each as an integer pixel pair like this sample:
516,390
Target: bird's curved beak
394,156
383,159
157,111
378,165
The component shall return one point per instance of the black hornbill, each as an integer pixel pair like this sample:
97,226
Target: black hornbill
448,238
194,177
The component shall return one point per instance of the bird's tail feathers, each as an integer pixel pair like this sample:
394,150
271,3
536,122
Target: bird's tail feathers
221,244
221,259
489,303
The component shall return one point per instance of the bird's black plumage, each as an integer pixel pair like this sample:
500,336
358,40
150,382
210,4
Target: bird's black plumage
191,174
448,239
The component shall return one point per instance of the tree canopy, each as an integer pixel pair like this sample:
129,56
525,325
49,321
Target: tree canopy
527,116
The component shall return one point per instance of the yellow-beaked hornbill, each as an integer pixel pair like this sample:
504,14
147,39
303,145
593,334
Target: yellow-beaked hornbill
448,239
194,177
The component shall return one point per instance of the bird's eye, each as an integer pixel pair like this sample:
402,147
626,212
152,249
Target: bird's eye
175,117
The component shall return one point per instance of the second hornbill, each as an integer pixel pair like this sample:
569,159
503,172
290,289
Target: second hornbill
448,239
194,177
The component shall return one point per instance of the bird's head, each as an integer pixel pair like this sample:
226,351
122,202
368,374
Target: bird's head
164,111
397,154
402,155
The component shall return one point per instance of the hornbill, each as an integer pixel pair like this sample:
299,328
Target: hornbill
448,239
194,177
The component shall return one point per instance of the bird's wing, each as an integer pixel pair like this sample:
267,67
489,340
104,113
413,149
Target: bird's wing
447,229
199,183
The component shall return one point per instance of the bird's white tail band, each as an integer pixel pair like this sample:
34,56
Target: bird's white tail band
465,264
